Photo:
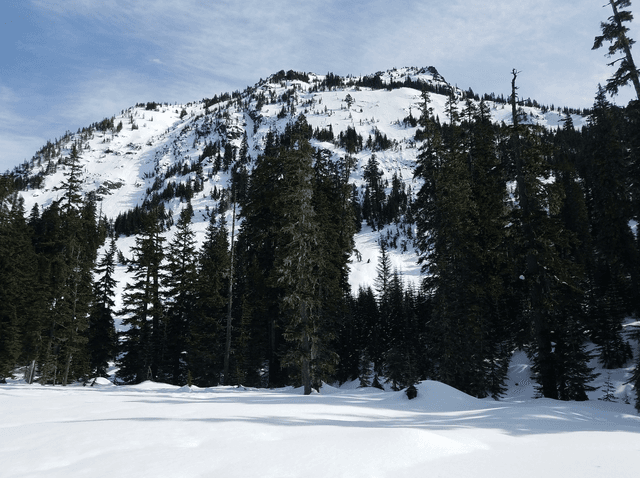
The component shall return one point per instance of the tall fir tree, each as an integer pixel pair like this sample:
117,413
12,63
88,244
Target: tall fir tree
298,261
615,32
461,249
179,286
69,246
610,210
102,343
545,268
142,342
212,285
21,304
260,328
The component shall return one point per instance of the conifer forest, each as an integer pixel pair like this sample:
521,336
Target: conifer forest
238,249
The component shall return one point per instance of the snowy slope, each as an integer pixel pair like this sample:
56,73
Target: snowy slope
125,167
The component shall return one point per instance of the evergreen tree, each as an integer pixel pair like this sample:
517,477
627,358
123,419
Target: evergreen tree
69,246
401,357
334,214
610,211
259,337
141,343
374,194
298,261
179,290
461,250
490,264
206,337
357,339
615,32
102,334
550,278
381,331
20,301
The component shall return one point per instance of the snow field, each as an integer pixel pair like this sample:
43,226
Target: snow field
164,431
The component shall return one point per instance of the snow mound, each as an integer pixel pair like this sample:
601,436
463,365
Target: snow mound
157,386
434,396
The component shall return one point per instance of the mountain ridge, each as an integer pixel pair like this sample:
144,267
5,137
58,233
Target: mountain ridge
159,151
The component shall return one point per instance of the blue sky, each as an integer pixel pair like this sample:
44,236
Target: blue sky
65,64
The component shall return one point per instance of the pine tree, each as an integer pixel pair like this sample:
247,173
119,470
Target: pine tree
357,339
550,278
142,310
610,211
334,213
381,331
179,290
615,32
20,301
401,357
206,337
69,245
376,195
298,261
571,317
461,222
490,265
102,334
259,337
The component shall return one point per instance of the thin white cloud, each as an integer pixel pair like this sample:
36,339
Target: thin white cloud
15,144
242,41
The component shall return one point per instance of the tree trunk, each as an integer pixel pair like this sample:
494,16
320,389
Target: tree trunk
66,369
533,271
227,347
305,350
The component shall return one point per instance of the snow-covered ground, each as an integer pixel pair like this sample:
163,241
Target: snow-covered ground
158,430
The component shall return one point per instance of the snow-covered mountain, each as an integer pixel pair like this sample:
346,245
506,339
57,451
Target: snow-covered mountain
141,150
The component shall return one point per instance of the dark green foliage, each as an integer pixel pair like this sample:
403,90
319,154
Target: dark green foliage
66,239
102,342
357,339
462,251
615,32
259,336
141,344
20,309
609,390
374,195
294,245
212,285
350,140
614,259
180,301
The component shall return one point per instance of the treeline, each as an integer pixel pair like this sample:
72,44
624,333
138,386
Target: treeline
525,236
